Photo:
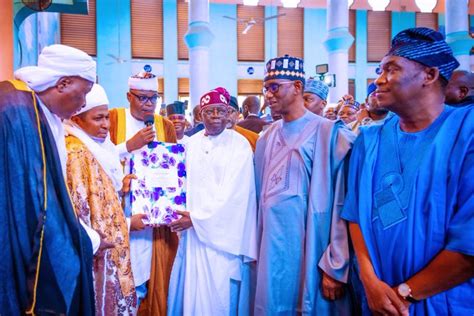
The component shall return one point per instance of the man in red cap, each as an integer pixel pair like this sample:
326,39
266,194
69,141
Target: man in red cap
218,234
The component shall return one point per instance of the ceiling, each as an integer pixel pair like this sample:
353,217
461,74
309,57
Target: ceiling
395,5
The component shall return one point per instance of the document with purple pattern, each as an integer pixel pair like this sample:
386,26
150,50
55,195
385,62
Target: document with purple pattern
160,188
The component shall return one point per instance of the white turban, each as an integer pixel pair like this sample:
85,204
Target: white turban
96,97
143,81
54,62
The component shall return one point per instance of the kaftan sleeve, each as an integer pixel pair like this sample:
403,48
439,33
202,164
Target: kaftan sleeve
122,150
335,259
461,227
350,210
77,179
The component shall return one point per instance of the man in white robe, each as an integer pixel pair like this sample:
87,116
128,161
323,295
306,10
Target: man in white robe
218,235
152,250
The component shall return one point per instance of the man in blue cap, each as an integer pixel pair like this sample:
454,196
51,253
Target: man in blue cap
410,199
299,166
372,114
315,95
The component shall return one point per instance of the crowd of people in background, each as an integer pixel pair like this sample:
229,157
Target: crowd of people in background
347,209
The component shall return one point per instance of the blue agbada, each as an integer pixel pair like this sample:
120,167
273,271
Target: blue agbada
46,256
412,195
300,187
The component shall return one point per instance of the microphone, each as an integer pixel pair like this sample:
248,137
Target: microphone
149,119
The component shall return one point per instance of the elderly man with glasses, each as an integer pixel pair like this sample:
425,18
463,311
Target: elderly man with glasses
152,250
299,161
211,273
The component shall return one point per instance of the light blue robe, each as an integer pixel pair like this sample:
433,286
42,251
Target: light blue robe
300,188
408,218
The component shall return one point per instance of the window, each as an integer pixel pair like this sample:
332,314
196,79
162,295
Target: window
183,87
352,87
291,32
147,28
161,88
249,86
79,30
182,8
251,46
378,35
352,30
429,20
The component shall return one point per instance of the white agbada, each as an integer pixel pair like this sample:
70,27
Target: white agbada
221,200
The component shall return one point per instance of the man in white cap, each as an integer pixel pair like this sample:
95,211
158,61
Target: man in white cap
46,255
152,249
94,177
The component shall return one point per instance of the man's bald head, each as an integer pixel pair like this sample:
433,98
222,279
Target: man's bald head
251,104
460,86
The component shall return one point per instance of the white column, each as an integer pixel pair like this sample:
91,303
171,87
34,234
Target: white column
198,38
457,31
337,44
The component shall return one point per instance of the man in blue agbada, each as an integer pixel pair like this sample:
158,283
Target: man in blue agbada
411,193
303,244
46,256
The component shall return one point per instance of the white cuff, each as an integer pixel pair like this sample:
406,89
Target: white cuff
93,236
122,150
129,221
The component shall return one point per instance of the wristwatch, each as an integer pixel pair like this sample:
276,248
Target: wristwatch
404,291
366,121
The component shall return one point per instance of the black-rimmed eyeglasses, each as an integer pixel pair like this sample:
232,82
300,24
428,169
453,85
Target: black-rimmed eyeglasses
145,99
274,87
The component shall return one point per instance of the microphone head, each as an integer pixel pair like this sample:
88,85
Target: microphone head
149,119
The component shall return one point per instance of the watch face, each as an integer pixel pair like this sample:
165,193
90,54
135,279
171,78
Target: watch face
404,290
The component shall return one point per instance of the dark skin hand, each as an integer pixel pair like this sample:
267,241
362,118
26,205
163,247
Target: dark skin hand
332,288
382,299
181,224
104,244
127,180
136,222
141,138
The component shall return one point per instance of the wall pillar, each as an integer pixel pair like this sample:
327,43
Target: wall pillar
170,56
6,29
198,38
114,49
457,31
337,44
271,33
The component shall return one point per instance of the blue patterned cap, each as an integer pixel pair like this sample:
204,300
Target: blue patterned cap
286,67
371,88
317,87
426,47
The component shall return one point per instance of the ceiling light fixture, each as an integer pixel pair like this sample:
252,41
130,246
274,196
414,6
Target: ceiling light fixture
426,6
379,5
251,2
290,3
